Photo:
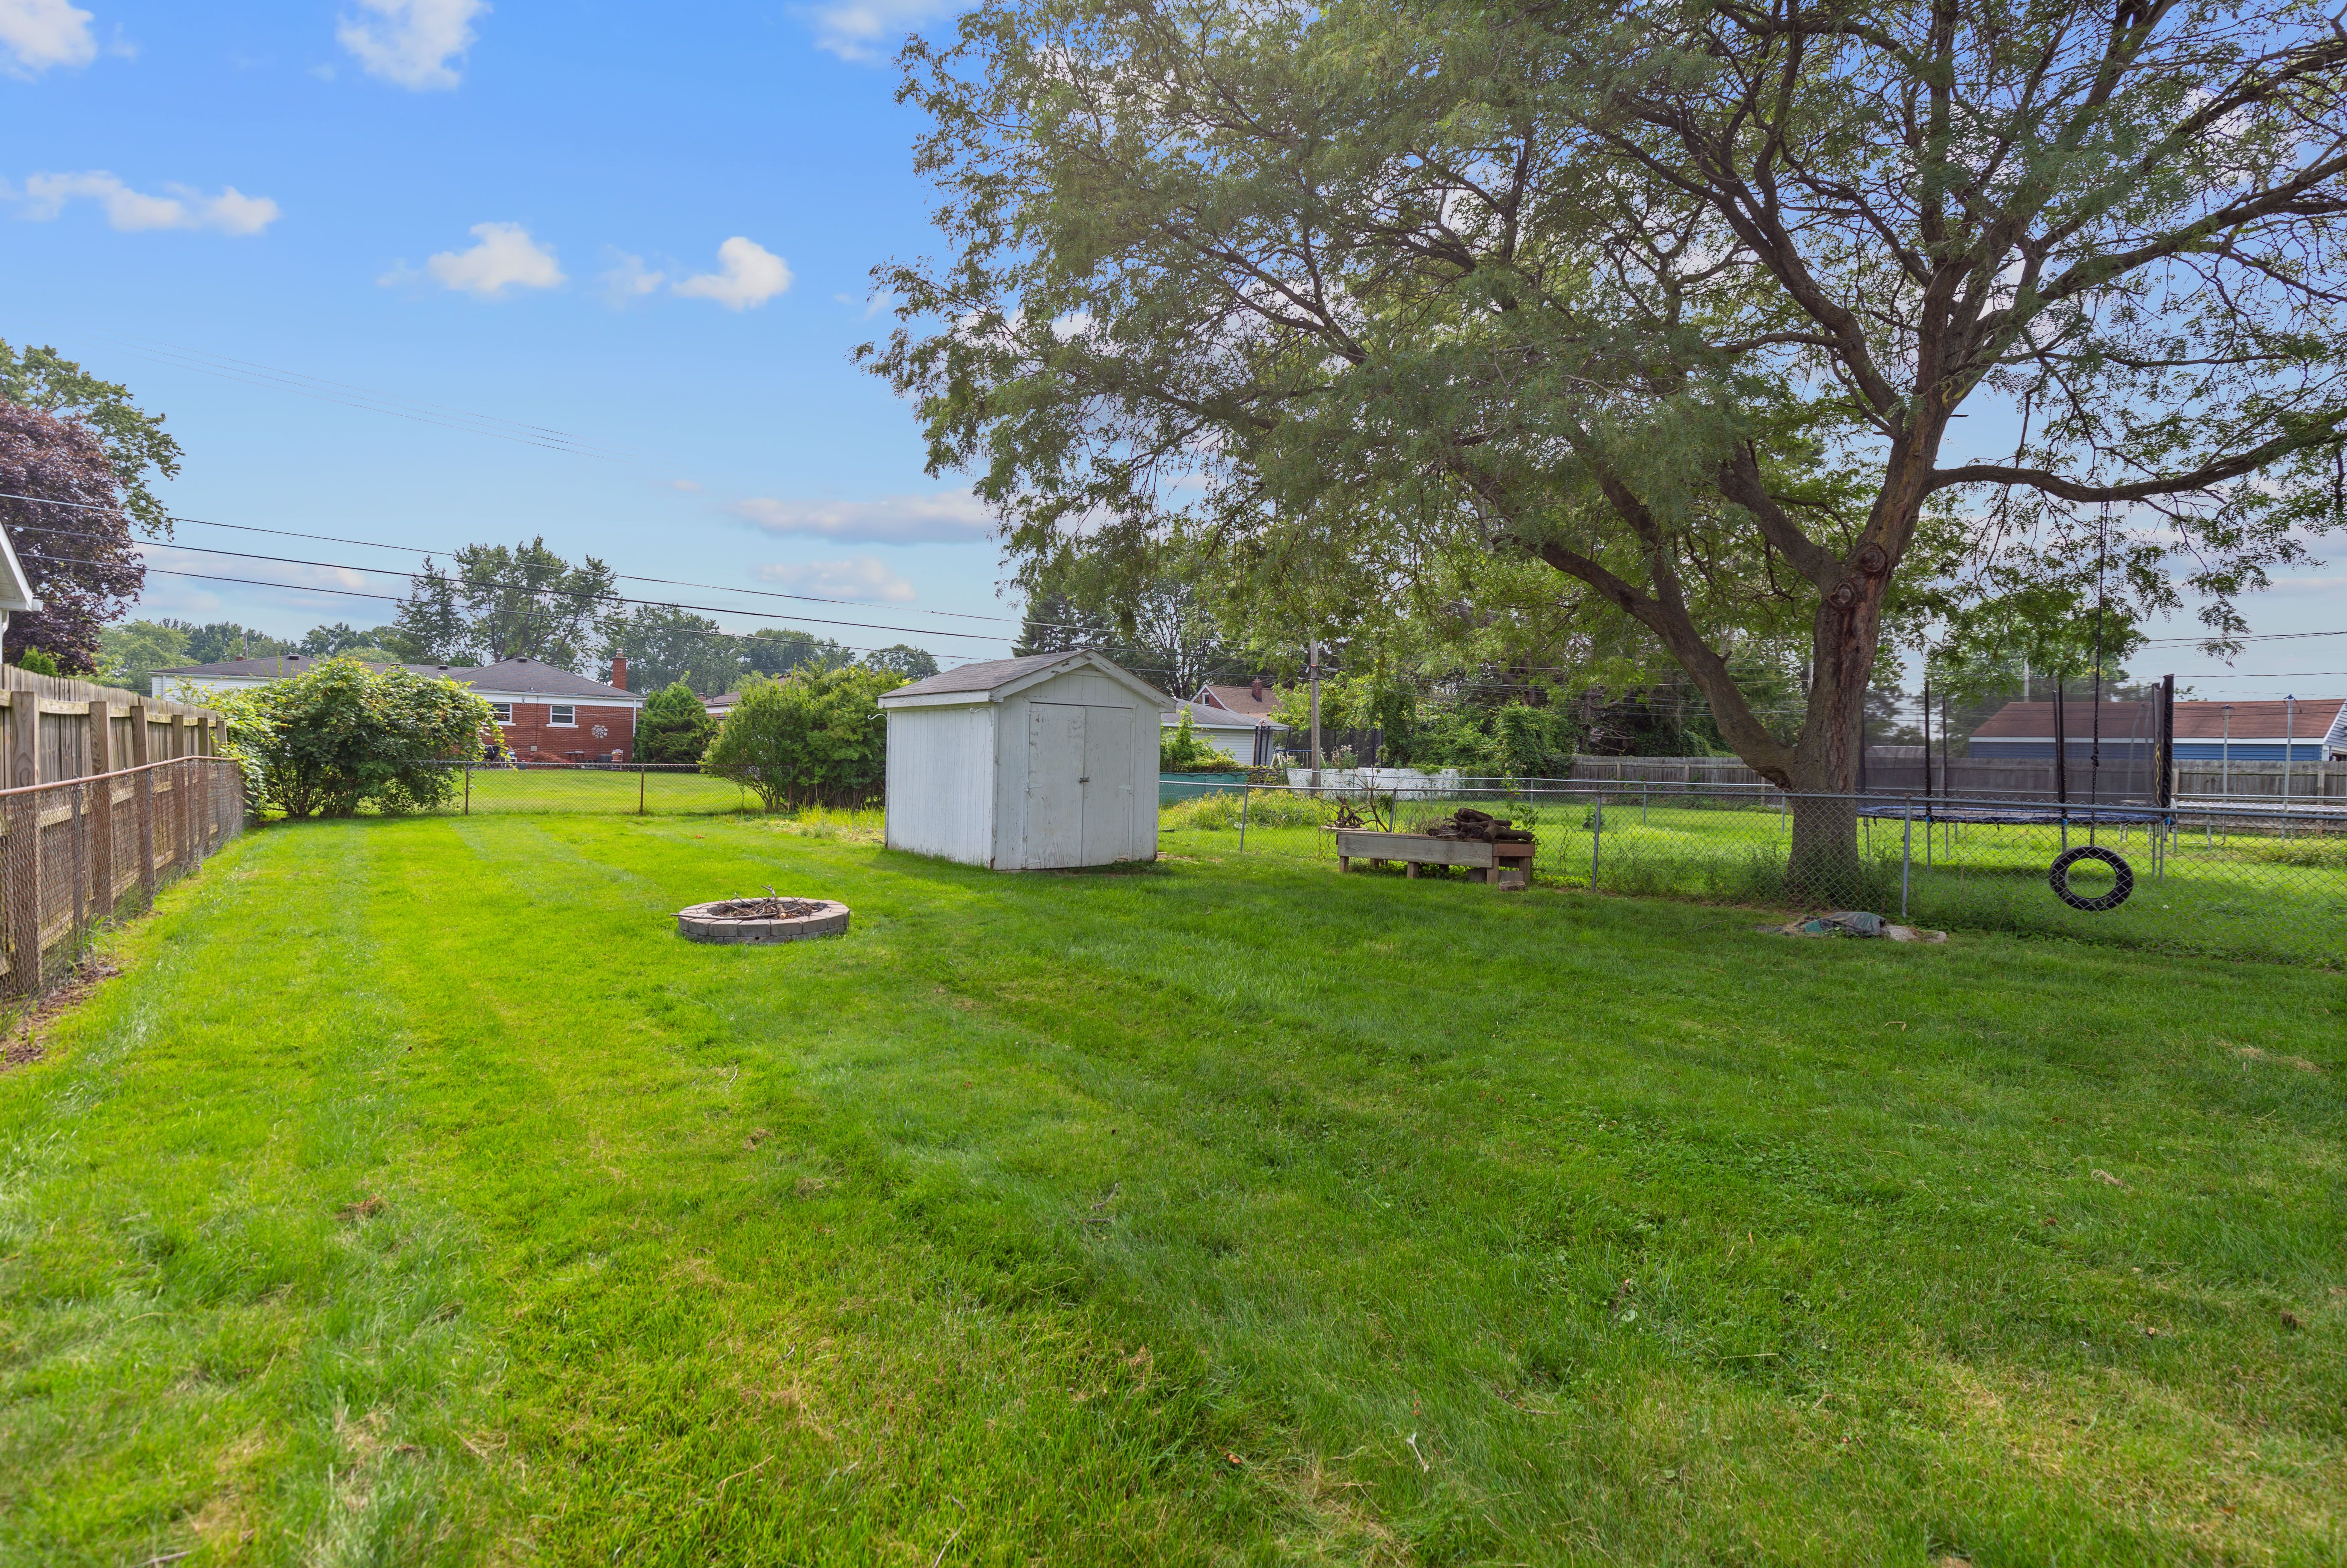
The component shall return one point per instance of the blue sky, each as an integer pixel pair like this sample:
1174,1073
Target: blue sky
647,229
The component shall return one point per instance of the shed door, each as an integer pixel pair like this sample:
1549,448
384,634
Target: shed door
1107,784
1052,831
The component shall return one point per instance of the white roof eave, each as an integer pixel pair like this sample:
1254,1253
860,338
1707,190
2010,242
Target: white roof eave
16,588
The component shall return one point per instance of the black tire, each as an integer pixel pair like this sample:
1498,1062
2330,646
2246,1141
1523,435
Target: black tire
2059,878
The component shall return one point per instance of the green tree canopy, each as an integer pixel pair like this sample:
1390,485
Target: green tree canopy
338,736
777,651
1680,303
902,659
137,447
522,602
664,645
130,653
816,736
675,726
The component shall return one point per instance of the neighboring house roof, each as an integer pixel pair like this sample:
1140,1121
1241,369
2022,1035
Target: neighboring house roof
2251,719
991,679
530,679
533,678
728,700
1239,699
1202,717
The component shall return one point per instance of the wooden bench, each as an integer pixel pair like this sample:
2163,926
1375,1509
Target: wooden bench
1499,865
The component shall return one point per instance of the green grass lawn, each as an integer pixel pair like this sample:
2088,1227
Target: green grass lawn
491,791
415,1196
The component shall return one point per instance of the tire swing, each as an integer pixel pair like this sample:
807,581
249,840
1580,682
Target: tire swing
2122,885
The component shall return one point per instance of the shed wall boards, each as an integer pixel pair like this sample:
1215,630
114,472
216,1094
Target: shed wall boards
1026,763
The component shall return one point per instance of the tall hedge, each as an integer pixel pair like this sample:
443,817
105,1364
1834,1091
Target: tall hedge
815,737
675,727
338,737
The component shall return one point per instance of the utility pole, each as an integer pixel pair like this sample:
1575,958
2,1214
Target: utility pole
1312,667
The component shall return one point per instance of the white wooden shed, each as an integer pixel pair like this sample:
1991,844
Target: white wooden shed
1023,765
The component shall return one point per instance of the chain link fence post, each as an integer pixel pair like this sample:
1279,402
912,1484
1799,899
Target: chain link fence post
1906,854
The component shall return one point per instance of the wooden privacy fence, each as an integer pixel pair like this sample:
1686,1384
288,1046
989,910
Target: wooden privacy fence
101,792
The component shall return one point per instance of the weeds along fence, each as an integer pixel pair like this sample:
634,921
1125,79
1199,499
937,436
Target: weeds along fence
2229,880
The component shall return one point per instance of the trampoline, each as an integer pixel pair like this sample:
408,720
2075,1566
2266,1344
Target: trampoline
2158,822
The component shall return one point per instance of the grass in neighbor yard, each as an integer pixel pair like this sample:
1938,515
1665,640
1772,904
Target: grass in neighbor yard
416,1196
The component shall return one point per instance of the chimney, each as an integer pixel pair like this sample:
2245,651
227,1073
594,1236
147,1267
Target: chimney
619,669
1256,690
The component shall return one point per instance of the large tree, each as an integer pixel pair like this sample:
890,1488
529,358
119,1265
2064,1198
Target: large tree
664,646
137,446
1681,300
61,501
526,602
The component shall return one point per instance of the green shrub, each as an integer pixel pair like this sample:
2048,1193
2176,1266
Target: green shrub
815,737
36,662
338,737
1183,750
675,727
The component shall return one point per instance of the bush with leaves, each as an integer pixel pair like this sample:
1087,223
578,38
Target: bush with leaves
1182,749
816,737
675,727
338,736
1513,739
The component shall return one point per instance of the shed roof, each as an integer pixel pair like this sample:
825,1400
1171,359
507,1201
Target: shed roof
991,677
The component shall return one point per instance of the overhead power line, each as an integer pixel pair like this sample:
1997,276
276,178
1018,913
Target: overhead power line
421,550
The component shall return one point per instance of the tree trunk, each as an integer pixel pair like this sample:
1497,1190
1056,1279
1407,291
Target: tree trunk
1823,866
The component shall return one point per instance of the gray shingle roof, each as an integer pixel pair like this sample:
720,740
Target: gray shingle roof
984,675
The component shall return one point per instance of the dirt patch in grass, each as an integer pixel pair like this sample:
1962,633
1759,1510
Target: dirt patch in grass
26,1044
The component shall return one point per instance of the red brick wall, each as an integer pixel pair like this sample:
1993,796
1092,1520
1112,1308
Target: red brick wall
554,742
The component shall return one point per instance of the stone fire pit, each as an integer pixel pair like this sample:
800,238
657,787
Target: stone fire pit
768,919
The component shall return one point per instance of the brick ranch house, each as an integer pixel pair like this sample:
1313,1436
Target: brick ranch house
545,714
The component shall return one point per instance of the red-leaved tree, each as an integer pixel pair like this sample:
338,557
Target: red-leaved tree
78,555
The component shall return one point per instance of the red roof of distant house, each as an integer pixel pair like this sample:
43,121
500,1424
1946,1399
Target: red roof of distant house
1252,700
2251,719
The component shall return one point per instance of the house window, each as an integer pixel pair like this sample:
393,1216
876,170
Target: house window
501,713
564,713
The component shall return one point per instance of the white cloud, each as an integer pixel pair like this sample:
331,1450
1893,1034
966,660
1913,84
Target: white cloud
748,275
39,33
417,43
630,279
861,577
690,486
230,213
867,31
506,258
950,517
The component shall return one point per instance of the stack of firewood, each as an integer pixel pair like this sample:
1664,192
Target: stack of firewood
1480,826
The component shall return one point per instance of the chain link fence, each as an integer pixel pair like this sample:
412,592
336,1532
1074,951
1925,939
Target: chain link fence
612,789
80,851
2229,881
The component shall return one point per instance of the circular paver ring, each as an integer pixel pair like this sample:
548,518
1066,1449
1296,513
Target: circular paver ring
703,923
